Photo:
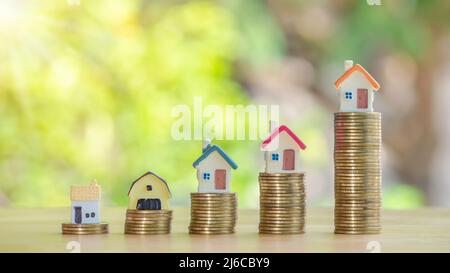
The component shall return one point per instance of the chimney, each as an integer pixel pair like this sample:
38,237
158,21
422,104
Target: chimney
348,64
272,125
206,144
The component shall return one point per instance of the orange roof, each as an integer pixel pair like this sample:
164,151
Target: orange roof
361,69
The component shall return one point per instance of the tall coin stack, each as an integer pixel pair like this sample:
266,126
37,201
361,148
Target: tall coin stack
357,160
213,213
148,222
282,203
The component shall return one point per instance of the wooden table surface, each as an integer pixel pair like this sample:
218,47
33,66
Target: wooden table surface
38,230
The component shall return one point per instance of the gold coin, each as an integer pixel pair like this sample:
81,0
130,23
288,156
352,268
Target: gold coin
211,228
213,217
80,232
282,195
152,216
155,212
85,227
280,228
281,233
358,229
345,155
147,229
149,223
277,222
284,210
214,206
282,182
195,226
149,218
69,225
214,198
147,232
352,138
269,212
356,215
131,221
358,183
280,186
211,232
214,210
213,222
279,217
282,174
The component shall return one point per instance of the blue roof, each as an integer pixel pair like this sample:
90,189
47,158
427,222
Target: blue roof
211,149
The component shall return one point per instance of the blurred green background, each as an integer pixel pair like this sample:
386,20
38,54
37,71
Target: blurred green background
87,89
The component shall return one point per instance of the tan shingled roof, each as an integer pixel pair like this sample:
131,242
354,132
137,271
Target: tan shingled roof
90,192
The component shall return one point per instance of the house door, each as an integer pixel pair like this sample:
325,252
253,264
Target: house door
149,204
77,211
288,160
363,99
220,178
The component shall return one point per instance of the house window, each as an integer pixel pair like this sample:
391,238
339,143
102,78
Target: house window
87,215
206,176
92,214
275,157
348,95
149,187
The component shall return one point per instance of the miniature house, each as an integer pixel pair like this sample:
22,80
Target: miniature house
149,192
281,150
356,87
214,169
85,203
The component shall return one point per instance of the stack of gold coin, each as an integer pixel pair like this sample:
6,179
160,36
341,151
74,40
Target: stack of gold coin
84,229
357,160
148,222
282,203
213,213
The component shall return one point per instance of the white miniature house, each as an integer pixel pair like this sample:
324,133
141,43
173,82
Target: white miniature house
356,87
281,150
214,169
85,203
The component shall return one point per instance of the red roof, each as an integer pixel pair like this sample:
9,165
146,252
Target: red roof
361,69
288,131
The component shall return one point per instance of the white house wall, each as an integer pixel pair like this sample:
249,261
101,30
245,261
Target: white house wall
356,81
284,142
210,164
87,207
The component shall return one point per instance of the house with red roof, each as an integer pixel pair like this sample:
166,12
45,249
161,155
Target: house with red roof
282,150
356,87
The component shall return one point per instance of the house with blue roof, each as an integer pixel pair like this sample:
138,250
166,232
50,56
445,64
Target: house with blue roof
214,169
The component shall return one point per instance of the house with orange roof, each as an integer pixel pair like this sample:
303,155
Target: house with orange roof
86,203
282,150
356,87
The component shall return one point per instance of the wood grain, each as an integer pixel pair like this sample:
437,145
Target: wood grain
38,230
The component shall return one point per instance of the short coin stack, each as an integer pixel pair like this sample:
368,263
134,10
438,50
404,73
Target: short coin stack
282,203
148,222
213,213
84,229
357,160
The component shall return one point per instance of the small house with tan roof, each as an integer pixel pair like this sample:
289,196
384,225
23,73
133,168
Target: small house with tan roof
356,87
86,203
